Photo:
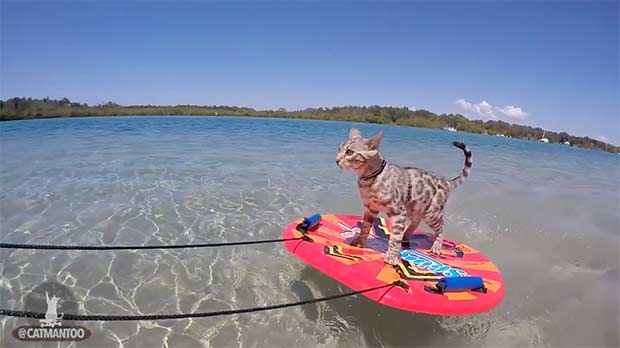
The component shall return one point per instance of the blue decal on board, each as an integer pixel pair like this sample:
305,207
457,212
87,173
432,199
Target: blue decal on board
425,262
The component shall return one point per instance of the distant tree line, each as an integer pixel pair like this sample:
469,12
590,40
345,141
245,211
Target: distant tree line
29,108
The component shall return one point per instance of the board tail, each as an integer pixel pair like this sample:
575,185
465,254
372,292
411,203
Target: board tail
454,183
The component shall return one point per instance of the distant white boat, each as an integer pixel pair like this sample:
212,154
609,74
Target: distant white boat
449,129
543,139
499,135
566,143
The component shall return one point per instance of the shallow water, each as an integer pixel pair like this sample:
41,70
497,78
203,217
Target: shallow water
547,215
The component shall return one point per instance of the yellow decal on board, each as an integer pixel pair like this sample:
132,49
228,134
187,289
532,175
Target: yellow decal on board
492,285
409,271
336,252
388,275
459,296
477,265
466,249
380,228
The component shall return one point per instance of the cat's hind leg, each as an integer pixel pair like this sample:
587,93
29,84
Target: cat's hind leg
435,222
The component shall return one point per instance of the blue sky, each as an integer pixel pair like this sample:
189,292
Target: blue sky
550,64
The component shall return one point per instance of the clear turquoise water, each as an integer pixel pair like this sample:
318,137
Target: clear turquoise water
547,215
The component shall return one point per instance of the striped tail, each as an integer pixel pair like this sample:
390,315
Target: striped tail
454,183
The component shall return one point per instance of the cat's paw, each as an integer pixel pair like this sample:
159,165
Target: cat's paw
391,259
436,247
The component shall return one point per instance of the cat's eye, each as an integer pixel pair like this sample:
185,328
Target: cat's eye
349,152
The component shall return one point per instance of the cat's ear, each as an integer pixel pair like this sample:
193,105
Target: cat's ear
373,143
354,133
368,153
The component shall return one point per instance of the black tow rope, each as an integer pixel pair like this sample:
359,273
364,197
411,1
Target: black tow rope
142,247
76,317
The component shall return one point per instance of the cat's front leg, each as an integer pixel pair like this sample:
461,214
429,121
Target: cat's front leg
392,255
369,219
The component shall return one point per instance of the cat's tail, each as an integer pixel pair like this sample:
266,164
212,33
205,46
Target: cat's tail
454,183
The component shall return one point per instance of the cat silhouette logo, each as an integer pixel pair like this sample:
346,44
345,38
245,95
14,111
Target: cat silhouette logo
53,300
51,315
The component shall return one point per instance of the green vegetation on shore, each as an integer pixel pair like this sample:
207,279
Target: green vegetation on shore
28,108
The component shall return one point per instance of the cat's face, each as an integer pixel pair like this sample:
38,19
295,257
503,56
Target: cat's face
354,153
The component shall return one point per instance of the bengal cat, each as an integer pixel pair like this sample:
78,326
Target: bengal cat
400,192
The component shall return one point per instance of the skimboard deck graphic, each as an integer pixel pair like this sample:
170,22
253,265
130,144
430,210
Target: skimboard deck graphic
420,271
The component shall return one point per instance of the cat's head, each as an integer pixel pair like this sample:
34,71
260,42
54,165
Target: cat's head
355,153
53,299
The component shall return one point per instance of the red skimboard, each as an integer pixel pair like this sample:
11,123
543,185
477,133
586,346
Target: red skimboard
361,268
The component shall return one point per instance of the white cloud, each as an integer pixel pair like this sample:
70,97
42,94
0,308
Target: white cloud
513,112
486,111
603,139
482,110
